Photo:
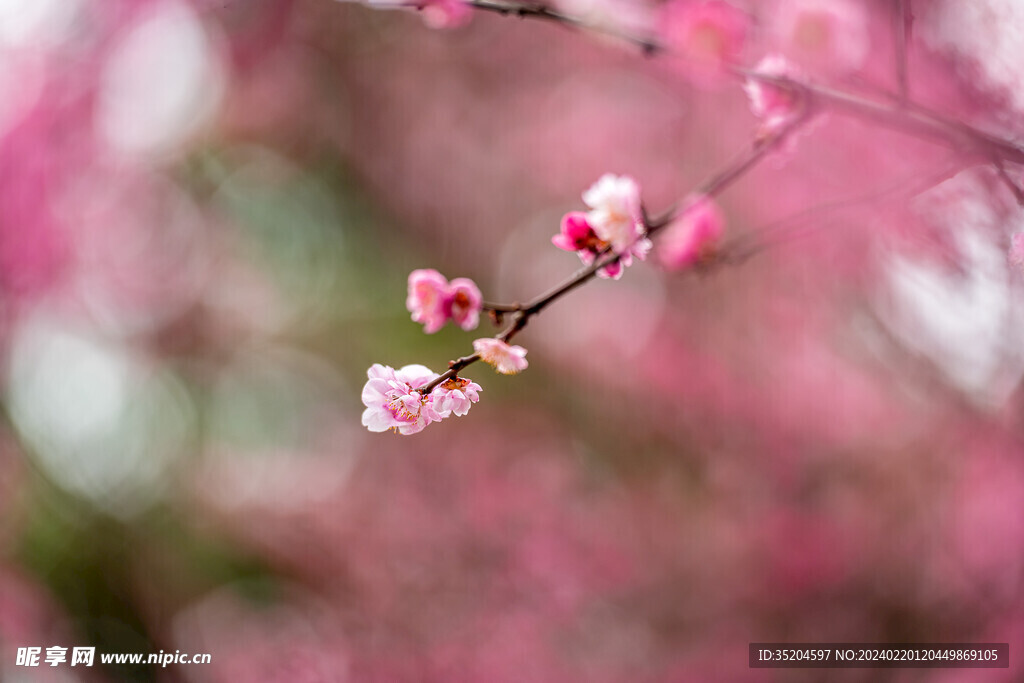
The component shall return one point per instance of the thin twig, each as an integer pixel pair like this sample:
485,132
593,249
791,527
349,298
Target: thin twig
790,227
501,308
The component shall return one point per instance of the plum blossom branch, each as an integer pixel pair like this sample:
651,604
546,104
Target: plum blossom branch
714,185
501,308
618,228
744,247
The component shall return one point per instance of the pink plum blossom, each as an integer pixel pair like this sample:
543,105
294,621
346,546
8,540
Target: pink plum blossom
508,360
464,302
455,395
427,300
615,220
392,401
707,34
1017,249
775,105
828,36
433,300
576,234
446,13
693,236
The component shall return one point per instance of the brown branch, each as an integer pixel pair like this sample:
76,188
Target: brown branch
534,11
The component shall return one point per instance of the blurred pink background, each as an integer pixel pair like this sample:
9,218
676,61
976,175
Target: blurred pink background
208,211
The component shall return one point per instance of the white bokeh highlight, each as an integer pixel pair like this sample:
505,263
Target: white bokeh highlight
162,82
99,422
988,35
35,24
967,322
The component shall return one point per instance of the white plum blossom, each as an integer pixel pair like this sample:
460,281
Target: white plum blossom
615,214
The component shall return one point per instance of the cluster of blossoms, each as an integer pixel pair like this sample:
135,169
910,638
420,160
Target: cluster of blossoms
397,400
615,223
818,37
615,226
434,301
393,398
